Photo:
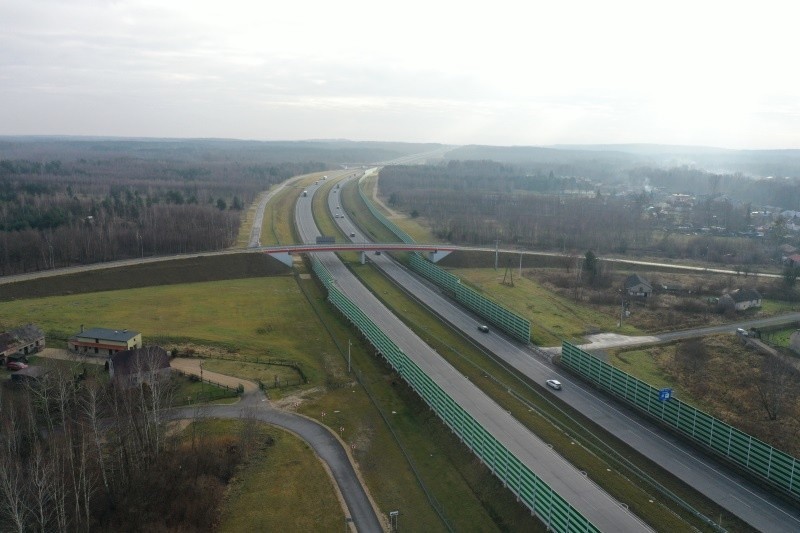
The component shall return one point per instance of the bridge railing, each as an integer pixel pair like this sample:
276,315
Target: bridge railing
544,502
769,464
496,314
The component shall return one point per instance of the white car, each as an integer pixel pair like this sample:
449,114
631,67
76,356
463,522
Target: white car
553,384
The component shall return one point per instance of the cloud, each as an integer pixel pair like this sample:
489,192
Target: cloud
572,71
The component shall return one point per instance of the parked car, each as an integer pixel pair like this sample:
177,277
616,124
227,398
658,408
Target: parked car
16,365
742,332
483,328
553,384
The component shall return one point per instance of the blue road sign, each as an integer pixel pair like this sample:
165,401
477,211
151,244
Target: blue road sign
664,395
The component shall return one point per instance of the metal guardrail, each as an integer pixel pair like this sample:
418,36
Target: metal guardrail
543,501
777,468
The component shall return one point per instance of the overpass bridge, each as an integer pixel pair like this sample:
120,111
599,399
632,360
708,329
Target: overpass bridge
284,253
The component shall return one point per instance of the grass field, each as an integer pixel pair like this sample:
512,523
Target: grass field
553,318
282,487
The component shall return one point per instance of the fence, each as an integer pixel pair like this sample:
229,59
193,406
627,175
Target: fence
222,391
777,468
505,319
551,508
269,361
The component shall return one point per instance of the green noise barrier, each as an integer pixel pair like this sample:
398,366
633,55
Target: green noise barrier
494,313
546,504
767,463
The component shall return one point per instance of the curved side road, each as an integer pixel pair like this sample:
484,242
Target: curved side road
327,447
253,404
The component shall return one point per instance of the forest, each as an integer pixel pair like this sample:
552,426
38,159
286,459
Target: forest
482,202
80,454
67,202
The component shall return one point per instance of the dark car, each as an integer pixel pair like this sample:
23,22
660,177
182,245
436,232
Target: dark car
483,328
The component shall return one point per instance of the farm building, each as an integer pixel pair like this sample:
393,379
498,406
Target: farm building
21,341
741,299
131,368
635,285
104,342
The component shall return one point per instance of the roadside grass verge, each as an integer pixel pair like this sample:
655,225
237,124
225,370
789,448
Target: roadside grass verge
415,227
606,460
391,429
358,212
280,487
553,318
172,272
278,223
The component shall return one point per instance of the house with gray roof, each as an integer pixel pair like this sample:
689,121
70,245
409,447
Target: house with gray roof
741,299
103,342
21,341
635,285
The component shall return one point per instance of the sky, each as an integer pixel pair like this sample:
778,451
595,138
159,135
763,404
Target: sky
538,73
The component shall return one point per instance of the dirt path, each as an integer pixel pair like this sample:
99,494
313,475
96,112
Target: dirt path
192,366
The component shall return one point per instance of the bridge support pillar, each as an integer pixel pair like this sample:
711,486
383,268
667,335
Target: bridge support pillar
437,255
363,258
283,257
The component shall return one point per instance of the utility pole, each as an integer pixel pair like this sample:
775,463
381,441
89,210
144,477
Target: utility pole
349,344
496,251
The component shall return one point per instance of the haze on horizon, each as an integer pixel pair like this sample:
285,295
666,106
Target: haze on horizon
574,72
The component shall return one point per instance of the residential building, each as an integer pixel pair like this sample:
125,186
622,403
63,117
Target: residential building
21,341
104,342
741,299
635,285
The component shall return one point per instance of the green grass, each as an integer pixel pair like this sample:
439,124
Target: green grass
553,318
265,373
283,487
278,223
264,317
190,392
413,227
228,315
642,364
779,337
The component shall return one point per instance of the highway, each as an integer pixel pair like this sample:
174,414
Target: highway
592,502
740,496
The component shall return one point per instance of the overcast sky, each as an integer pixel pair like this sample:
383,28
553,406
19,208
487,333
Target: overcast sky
506,73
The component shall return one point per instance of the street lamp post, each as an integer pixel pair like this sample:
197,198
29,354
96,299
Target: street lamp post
349,344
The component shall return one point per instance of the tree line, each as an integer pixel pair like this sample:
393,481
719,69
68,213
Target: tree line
57,213
483,202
